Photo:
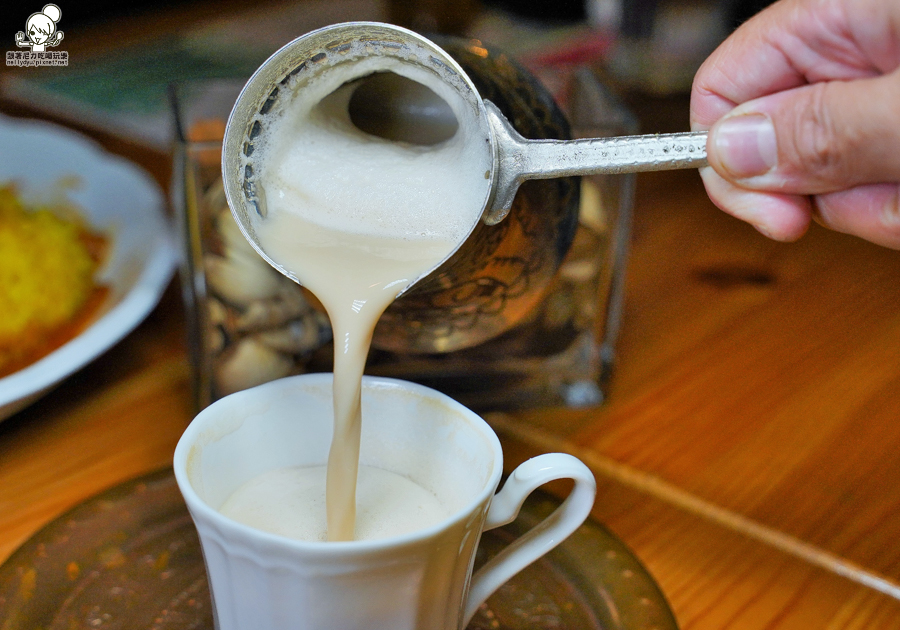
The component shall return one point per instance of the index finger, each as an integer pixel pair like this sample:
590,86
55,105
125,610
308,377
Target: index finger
794,43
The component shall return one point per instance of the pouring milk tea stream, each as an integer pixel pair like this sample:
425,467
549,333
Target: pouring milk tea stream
357,219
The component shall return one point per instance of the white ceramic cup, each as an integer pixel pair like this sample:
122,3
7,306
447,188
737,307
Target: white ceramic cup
418,581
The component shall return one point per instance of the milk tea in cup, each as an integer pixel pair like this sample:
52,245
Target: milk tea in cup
420,579
290,502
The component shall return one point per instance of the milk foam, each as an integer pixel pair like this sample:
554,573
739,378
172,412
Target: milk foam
316,164
291,502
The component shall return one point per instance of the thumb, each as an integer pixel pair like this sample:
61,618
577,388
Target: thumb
812,139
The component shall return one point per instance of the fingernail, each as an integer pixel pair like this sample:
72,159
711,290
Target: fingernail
746,145
763,230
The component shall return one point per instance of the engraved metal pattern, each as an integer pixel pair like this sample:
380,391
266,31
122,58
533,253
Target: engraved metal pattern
502,271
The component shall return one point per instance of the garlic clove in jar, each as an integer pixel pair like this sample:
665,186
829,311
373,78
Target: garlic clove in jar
249,363
240,283
300,336
287,305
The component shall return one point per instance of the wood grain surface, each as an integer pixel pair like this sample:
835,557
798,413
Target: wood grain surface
748,450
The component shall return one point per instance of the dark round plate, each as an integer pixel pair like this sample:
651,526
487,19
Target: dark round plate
129,559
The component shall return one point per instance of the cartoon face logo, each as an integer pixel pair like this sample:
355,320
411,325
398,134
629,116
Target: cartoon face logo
41,30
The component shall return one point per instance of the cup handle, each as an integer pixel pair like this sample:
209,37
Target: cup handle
544,536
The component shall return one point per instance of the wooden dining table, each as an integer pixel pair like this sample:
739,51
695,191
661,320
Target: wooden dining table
748,451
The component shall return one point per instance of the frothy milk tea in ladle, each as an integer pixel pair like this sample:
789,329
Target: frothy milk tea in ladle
354,217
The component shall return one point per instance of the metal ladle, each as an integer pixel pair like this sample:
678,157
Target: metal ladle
515,159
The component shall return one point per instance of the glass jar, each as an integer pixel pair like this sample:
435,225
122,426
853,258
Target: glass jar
526,314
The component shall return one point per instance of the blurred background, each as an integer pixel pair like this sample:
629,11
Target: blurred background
687,29
122,55
636,15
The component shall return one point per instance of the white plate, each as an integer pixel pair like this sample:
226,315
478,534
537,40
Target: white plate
116,197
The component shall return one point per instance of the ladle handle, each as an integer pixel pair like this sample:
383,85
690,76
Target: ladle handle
520,159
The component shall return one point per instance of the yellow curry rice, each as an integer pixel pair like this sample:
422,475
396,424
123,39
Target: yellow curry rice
47,266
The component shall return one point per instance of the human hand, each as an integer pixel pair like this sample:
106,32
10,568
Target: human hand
803,106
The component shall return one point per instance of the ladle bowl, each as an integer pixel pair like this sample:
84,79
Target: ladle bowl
306,59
